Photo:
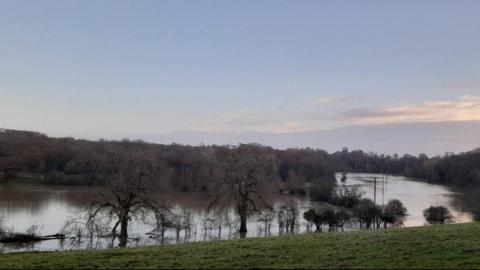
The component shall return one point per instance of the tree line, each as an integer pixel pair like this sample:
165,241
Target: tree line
461,169
33,155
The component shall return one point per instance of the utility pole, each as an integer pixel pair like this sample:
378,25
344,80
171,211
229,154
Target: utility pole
375,201
383,190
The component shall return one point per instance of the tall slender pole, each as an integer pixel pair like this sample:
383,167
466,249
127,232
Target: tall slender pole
383,190
375,201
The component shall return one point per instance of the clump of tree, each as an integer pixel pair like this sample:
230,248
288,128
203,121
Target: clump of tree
300,167
249,171
343,196
367,214
309,216
333,219
437,214
364,211
394,212
347,196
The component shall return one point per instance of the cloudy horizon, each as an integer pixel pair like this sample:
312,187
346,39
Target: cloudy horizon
390,78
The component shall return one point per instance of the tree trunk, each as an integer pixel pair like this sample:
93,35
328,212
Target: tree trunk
292,226
123,228
243,220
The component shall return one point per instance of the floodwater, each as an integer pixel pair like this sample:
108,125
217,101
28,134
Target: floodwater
415,195
49,207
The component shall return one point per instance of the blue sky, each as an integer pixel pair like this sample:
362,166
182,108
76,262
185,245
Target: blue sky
144,69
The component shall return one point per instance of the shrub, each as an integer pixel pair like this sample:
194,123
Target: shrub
437,214
367,212
394,212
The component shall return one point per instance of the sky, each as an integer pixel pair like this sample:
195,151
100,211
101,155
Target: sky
383,76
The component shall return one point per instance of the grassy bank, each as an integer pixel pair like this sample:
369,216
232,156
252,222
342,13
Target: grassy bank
442,246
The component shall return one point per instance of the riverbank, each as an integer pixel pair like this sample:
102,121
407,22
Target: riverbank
441,246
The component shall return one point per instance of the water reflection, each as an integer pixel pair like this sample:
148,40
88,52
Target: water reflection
415,195
468,200
23,205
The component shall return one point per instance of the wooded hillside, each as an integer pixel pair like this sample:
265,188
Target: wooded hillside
36,157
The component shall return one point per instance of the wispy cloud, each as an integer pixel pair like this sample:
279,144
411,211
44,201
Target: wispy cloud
313,116
334,100
255,120
466,108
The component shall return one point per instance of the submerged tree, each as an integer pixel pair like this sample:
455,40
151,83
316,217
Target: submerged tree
347,196
288,216
437,214
309,216
249,170
128,194
393,213
367,213
334,219
341,218
266,217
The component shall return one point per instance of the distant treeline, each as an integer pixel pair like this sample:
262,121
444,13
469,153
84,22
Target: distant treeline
34,157
454,169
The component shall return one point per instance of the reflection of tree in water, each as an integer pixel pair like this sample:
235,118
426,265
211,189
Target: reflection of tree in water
32,198
24,246
468,201
82,231
178,220
265,218
214,223
287,216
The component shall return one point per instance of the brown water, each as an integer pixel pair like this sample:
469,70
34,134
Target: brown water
23,205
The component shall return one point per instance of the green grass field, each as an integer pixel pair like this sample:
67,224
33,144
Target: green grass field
441,246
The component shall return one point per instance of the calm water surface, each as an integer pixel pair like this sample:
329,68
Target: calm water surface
23,205
415,195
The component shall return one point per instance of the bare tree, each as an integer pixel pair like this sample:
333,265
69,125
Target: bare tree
266,217
131,182
249,171
287,216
